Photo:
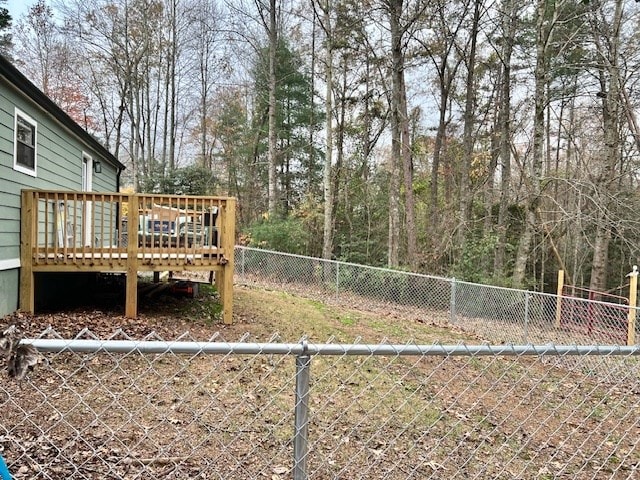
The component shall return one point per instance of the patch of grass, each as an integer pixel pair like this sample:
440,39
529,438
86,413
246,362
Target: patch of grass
597,413
321,307
476,363
348,321
264,313
207,289
386,328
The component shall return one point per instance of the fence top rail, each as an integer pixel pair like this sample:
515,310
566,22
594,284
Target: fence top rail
450,280
310,349
347,264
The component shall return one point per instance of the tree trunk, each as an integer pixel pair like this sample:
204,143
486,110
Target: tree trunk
173,60
339,134
541,76
467,135
510,22
610,71
327,244
598,281
407,168
312,95
272,135
435,164
395,12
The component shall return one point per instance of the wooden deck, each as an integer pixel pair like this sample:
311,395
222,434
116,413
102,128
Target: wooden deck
115,232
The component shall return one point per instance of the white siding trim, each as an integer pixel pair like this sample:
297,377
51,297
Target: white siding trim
88,179
9,264
87,186
16,166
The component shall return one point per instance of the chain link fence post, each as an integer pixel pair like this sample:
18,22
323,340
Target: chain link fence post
301,435
337,281
242,263
452,307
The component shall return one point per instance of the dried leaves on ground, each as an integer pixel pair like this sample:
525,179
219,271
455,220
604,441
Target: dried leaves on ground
97,416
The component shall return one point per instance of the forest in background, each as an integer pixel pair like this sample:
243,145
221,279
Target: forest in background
491,140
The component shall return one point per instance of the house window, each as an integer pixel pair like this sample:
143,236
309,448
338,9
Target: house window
25,159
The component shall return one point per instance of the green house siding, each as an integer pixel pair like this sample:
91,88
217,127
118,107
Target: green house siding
9,280
59,165
105,181
59,154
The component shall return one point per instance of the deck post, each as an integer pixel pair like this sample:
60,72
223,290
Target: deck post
131,297
225,285
27,283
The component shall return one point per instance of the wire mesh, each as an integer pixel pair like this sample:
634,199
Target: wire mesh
495,314
105,408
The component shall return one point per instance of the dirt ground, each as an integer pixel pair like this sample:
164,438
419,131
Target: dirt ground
95,416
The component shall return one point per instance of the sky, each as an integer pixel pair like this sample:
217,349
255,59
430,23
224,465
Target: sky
17,8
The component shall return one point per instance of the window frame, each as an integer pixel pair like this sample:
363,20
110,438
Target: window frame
19,167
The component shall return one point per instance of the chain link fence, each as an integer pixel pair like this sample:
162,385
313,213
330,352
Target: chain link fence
122,408
495,314
128,409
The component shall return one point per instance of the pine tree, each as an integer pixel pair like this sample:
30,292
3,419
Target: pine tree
295,114
5,25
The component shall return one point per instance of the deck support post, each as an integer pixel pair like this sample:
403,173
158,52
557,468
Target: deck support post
27,280
131,295
225,284
131,302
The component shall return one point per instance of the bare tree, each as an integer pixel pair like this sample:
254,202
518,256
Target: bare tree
607,36
545,23
205,37
39,48
326,22
402,19
510,23
441,51
268,11
469,119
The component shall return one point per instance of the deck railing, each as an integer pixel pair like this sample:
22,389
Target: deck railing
89,231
